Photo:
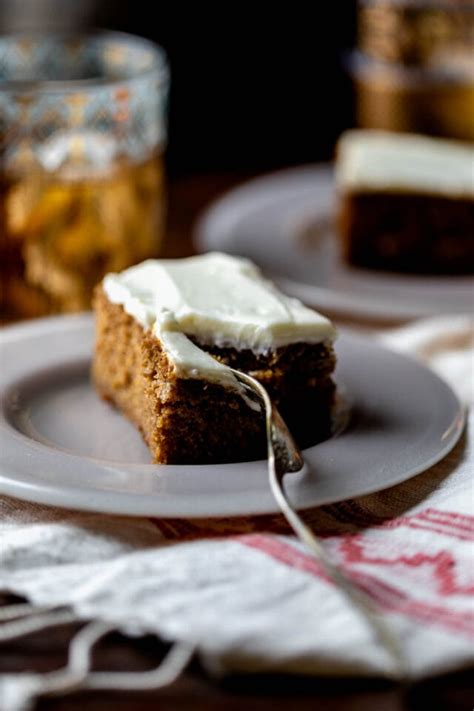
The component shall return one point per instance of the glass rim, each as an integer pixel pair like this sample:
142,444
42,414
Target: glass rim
422,5
160,67
360,66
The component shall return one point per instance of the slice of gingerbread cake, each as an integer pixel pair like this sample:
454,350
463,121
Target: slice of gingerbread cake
166,332
406,202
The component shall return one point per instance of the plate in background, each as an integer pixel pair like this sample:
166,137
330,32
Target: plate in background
60,444
283,221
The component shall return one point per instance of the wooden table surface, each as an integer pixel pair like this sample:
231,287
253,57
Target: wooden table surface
194,690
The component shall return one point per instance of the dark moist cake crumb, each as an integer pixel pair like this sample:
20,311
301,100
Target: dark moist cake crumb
408,233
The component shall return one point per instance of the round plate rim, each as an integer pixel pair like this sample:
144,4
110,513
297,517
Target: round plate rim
52,495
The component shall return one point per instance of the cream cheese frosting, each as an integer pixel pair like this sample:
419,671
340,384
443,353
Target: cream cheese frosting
377,161
217,300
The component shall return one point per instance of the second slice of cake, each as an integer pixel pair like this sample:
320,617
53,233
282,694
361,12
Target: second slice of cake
166,330
406,202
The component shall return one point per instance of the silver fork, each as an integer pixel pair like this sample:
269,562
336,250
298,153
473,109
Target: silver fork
284,456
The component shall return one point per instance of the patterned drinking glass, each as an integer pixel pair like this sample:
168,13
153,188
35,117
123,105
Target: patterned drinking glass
82,135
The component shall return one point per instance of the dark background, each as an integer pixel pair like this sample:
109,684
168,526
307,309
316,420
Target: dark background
253,88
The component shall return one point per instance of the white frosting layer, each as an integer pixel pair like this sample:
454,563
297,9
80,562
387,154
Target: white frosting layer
217,299
378,161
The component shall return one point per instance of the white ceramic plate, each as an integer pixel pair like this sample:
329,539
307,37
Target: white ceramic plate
283,222
61,445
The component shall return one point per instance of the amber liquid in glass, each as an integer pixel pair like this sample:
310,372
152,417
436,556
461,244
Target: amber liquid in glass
61,232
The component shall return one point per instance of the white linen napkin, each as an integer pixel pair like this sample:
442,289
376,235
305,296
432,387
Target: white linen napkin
244,593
